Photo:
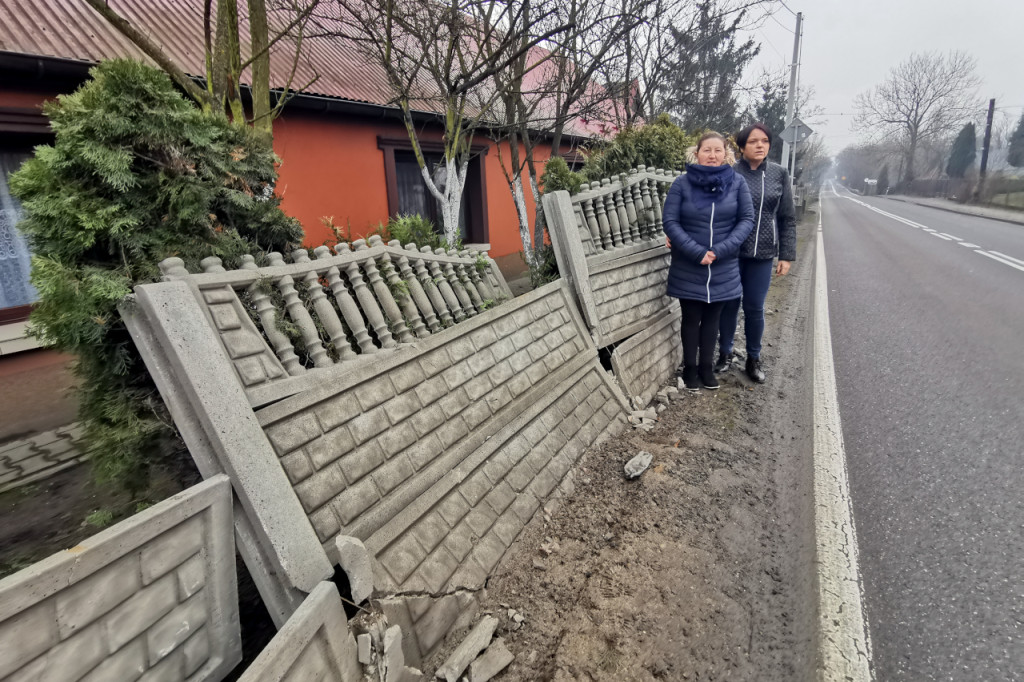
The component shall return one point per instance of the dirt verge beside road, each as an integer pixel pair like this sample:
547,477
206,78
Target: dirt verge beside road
702,569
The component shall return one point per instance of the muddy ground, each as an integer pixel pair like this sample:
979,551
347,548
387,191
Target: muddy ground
701,569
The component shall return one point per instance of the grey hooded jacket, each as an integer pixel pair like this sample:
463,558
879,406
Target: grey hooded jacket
774,232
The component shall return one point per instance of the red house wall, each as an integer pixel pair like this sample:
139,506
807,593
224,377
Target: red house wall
332,167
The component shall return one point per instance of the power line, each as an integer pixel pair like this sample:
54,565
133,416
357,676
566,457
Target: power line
783,2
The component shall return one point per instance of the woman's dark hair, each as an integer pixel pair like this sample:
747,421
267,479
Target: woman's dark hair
743,135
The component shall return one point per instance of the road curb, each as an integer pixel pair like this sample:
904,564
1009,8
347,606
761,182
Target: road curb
844,644
950,209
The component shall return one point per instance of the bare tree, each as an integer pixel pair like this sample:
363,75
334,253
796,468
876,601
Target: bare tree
223,54
439,58
924,98
547,89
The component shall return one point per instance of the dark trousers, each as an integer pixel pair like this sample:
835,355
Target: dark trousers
699,331
756,276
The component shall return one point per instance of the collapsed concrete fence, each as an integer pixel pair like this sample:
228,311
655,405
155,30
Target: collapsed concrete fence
609,242
153,597
385,398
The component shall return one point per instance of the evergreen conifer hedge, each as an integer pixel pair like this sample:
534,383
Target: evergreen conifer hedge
137,174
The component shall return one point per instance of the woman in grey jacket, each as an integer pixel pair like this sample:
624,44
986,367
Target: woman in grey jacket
774,234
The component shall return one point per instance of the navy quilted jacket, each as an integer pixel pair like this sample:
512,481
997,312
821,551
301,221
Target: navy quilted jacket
693,231
774,232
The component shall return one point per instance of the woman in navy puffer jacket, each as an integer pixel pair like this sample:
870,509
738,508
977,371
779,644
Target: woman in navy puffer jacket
708,214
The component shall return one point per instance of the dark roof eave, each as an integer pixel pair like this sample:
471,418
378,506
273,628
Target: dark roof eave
36,71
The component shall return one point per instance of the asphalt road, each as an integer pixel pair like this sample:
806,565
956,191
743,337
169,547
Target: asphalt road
928,338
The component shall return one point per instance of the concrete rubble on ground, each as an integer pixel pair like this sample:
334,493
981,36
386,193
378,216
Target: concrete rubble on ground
638,464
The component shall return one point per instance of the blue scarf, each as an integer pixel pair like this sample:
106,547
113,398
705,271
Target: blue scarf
709,183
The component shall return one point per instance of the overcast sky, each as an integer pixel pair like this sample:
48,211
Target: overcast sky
850,45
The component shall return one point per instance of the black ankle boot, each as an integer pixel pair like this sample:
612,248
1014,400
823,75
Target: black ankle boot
707,377
690,378
724,359
754,370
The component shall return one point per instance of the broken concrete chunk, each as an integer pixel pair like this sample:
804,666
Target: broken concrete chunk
650,413
493,661
355,561
475,642
394,657
539,565
638,464
364,643
412,675
661,408
549,546
680,385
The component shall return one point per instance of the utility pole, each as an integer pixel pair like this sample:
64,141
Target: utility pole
791,99
984,150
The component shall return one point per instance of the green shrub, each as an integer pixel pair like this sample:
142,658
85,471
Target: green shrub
414,228
99,518
136,174
557,176
546,268
659,144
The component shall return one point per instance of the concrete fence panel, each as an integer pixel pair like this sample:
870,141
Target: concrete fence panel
434,453
609,242
315,644
153,597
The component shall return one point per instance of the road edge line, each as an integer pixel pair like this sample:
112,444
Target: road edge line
844,643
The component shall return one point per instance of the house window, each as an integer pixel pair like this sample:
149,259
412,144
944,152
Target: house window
16,293
408,192
20,130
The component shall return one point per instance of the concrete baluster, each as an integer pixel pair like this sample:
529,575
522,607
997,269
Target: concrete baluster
346,304
384,296
468,276
324,310
419,297
173,268
367,303
627,201
299,315
444,287
613,217
268,318
430,286
400,291
629,232
455,281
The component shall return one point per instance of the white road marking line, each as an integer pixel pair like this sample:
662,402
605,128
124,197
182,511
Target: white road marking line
1003,255
951,236
843,635
1001,260
994,255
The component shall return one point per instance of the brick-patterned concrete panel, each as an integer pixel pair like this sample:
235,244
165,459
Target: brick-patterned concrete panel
456,543
355,476
630,293
315,644
152,596
648,360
